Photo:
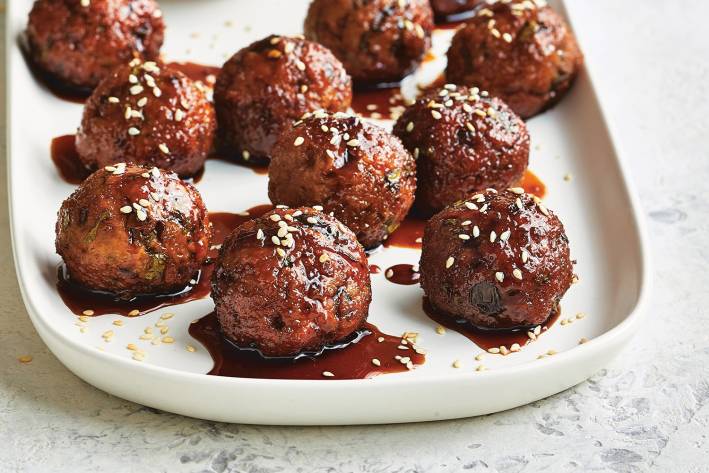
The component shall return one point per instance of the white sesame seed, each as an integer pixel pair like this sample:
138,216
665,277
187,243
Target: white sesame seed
471,206
300,65
155,172
141,215
275,240
126,209
136,89
85,3
476,231
132,79
505,235
449,262
179,115
113,100
353,142
583,340
157,92
142,102
275,217
493,350
517,273
311,220
500,276
299,141
525,256
543,209
436,114
280,252
144,203
133,131
457,364
319,208
516,190
463,236
163,147
493,236
327,374
410,127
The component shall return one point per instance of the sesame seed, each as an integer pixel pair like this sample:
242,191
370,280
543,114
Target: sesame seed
319,208
476,231
144,203
410,127
323,257
515,347
281,252
543,209
133,131
299,141
505,235
328,374
353,142
311,220
537,330
168,339
483,208
525,256
300,65
493,236
113,100
479,357
480,368
141,214
376,362
449,262
580,315
507,37
516,190
436,114
190,348
517,273
134,312
463,236
470,127
157,92
85,3
471,206
402,347
518,203
142,102
500,276
88,312
118,323
136,89
583,340
457,364
275,240
493,350
179,115
380,339
440,330
163,147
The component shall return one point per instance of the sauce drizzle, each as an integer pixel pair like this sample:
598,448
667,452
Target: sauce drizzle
352,359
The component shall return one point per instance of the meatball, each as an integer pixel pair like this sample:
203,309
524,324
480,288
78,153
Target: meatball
520,51
358,171
498,260
267,85
446,8
132,230
464,140
291,281
80,42
378,41
150,114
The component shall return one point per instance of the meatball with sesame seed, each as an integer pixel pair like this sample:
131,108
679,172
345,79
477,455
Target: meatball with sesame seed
378,41
150,114
358,171
497,260
80,42
521,51
291,281
463,141
265,86
132,230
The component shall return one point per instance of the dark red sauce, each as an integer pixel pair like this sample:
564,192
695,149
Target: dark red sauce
197,72
486,338
403,274
374,269
66,159
376,102
409,233
531,184
350,360
79,299
53,84
454,21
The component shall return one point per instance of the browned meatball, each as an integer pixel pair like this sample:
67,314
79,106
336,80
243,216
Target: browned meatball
267,85
149,114
132,230
378,41
447,8
523,53
80,42
497,260
464,140
356,170
291,281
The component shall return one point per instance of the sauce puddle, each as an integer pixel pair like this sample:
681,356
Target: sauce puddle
352,359
66,159
197,72
79,299
408,235
489,338
378,102
403,274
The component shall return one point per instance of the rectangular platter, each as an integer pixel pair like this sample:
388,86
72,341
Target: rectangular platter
598,211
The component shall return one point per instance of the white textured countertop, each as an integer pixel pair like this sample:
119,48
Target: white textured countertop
649,410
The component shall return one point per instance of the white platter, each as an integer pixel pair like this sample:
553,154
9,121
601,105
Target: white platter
599,213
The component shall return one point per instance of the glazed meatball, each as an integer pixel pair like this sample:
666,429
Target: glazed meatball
267,85
149,114
446,8
358,171
464,140
80,42
132,230
498,260
291,281
520,51
378,41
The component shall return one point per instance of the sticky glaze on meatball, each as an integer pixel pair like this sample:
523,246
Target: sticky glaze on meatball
378,41
520,51
149,114
358,171
464,140
497,260
132,230
269,84
291,281
80,42
446,8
